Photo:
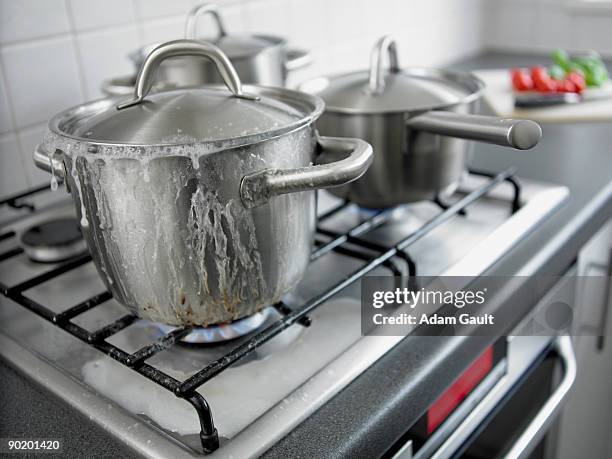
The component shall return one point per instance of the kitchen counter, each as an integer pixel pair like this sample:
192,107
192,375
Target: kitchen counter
375,410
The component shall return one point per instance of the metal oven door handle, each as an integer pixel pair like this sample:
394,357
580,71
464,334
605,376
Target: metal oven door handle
538,425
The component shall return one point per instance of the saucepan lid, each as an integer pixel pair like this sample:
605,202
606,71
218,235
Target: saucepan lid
380,90
190,115
234,46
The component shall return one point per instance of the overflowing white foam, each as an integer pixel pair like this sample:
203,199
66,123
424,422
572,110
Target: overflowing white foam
175,242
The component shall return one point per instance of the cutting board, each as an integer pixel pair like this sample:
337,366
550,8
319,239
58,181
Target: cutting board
499,97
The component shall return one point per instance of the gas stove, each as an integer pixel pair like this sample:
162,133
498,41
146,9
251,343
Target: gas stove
167,394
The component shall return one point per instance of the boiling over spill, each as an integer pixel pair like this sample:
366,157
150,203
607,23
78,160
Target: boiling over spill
210,254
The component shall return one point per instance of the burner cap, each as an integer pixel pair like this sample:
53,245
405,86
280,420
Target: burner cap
221,332
54,240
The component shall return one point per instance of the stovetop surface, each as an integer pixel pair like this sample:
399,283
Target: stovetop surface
263,396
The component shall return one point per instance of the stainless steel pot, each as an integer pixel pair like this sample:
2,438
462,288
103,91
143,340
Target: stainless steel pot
198,205
258,59
418,121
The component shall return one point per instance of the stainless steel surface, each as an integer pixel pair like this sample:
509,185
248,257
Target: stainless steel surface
178,48
189,252
257,188
189,115
179,227
408,165
379,91
119,86
55,254
468,405
234,46
548,249
419,151
51,163
605,308
279,395
297,58
258,59
200,116
523,350
519,134
461,412
376,80
87,400
536,429
196,13
124,86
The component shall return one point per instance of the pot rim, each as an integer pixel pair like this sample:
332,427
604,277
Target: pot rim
453,75
81,112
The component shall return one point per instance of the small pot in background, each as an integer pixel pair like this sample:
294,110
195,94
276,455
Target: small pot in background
258,59
419,122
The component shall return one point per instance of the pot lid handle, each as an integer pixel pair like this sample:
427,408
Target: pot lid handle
196,13
385,45
177,48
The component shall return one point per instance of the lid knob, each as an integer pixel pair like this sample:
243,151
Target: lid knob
178,48
196,13
384,46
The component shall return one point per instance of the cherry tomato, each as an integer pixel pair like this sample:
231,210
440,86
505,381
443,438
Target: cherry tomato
578,80
521,81
566,86
542,81
539,72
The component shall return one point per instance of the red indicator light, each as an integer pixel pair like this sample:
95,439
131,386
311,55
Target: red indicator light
460,389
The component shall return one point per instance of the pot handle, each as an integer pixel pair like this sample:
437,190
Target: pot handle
384,46
49,163
297,58
519,134
257,188
177,48
196,13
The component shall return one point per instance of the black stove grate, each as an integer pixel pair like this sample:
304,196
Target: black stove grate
348,244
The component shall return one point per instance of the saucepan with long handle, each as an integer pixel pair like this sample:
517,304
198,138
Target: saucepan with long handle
420,123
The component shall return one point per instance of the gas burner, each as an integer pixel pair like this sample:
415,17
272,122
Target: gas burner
53,241
223,332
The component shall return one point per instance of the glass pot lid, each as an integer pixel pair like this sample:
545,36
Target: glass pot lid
380,90
190,115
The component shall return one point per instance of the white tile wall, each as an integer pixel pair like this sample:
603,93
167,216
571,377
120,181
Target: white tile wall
593,30
27,140
110,59
92,14
12,173
6,122
27,19
56,53
537,26
163,29
42,77
149,9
